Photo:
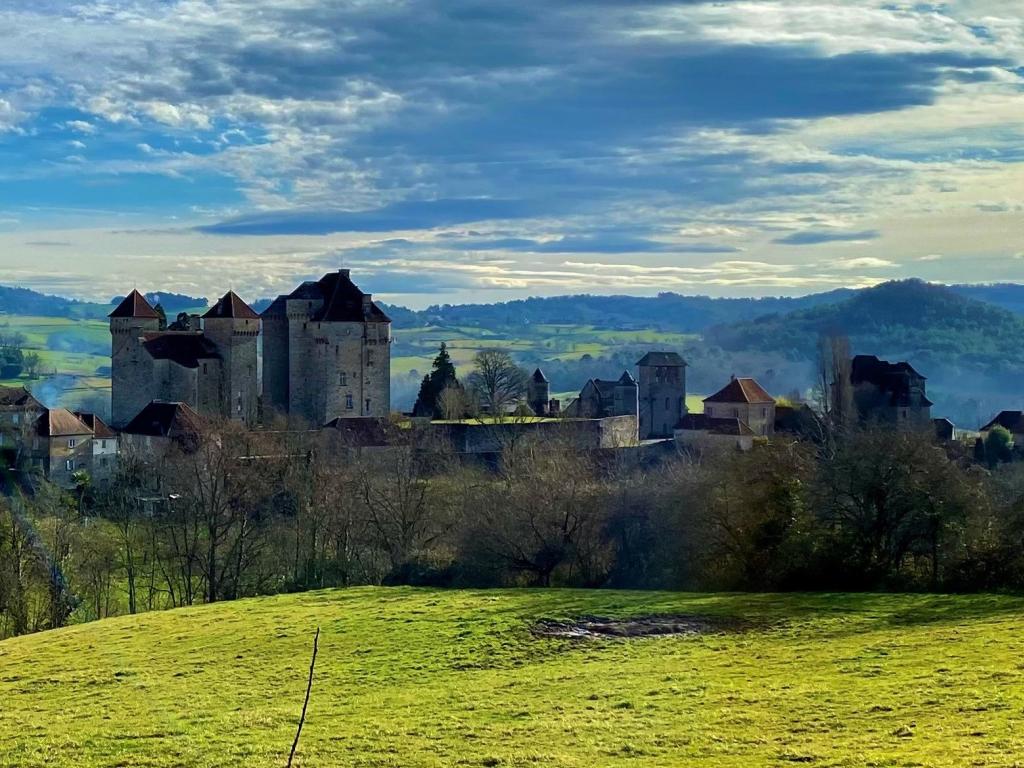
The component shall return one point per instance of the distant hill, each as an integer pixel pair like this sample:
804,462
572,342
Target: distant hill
911,316
23,301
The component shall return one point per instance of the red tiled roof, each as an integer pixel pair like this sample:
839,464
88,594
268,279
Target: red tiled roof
60,422
135,305
97,425
741,391
231,306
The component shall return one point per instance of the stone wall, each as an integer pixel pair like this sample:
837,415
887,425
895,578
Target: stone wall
131,368
581,434
662,394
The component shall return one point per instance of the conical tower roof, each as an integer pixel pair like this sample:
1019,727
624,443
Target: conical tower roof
135,305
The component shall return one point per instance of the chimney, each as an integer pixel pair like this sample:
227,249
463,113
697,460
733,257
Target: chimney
367,302
344,273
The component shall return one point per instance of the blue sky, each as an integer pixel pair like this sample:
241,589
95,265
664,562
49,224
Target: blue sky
490,149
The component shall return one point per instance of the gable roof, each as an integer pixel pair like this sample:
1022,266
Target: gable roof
98,427
671,359
741,391
539,377
135,305
1011,420
166,419
230,305
18,397
186,348
60,422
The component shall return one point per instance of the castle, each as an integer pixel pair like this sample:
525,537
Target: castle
326,354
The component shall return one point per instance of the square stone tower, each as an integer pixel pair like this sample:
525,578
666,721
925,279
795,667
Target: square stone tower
130,365
662,393
327,353
233,328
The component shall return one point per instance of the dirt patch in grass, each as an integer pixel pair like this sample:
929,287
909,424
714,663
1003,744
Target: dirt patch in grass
590,627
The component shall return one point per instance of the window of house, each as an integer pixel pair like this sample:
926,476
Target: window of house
72,442
369,357
342,380
367,405
69,465
668,403
736,413
15,418
764,413
205,369
348,402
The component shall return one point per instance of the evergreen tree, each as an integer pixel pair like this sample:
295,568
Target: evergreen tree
441,376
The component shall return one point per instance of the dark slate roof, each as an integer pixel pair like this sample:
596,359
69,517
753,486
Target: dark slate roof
18,397
627,379
342,300
892,378
277,307
740,391
231,306
98,427
164,419
699,422
662,358
1011,420
135,305
539,377
60,422
360,432
186,348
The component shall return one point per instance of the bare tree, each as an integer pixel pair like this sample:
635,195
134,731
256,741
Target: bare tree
497,381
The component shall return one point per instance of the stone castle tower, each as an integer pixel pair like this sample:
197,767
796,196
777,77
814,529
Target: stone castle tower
538,393
662,393
210,365
326,353
130,368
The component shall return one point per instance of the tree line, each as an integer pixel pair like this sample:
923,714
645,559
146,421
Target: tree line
233,514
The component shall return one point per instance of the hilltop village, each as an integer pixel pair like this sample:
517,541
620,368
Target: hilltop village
319,358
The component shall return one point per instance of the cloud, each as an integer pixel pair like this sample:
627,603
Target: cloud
863,262
817,237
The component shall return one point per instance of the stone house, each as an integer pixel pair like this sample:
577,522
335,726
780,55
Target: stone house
105,448
1012,421
161,426
212,368
601,398
62,445
326,353
538,394
19,412
746,400
891,393
661,393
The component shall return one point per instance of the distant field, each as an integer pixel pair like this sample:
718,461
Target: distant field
419,678
73,352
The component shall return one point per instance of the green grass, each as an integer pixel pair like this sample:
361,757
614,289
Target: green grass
426,678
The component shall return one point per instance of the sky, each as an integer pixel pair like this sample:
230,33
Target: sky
481,150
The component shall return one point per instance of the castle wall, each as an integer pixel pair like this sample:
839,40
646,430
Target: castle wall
275,363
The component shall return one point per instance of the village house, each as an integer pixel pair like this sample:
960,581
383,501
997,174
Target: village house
161,426
735,415
890,393
19,412
661,393
1011,421
105,448
602,398
62,446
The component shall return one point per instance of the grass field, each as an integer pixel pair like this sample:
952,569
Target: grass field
427,678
